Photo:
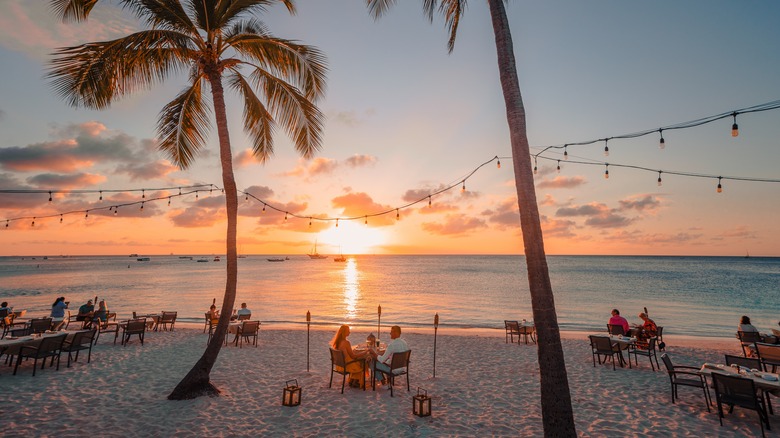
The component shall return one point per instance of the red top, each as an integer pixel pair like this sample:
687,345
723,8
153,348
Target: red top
619,320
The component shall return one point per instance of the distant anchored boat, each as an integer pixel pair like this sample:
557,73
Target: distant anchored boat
275,259
203,260
143,259
185,257
314,254
216,259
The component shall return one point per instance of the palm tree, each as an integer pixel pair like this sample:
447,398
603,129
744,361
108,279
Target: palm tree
557,415
279,80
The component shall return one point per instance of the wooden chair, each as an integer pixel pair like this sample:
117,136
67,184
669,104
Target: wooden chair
338,364
739,391
747,340
603,346
649,352
134,327
512,329
248,329
82,340
165,319
399,365
616,330
50,346
526,332
681,375
769,355
109,326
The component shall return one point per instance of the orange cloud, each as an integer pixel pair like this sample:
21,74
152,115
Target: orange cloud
245,158
360,204
64,182
561,182
455,225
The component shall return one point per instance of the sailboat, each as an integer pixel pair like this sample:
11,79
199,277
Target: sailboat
314,254
340,258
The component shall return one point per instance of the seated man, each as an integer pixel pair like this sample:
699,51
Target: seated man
619,320
85,311
397,345
243,312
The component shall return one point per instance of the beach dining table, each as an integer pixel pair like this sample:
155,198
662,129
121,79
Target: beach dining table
764,381
362,347
624,343
12,344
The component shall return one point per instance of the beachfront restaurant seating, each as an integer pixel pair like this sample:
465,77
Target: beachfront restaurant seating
248,330
603,346
50,346
747,362
527,332
244,317
649,352
109,326
338,364
165,319
512,328
616,330
82,340
40,325
769,355
681,375
747,340
135,326
399,365
739,391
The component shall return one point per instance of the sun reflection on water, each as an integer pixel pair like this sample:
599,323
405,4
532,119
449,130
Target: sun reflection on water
351,287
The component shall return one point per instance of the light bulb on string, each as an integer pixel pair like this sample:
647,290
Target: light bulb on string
49,195
397,215
559,166
309,222
86,214
429,201
263,207
606,171
101,196
196,194
143,194
661,142
33,222
535,168
116,210
463,188
211,189
366,221
498,163
169,201
606,148
659,178
7,222
142,206
60,218
337,223
179,190
246,198
720,187
565,152
285,215
735,127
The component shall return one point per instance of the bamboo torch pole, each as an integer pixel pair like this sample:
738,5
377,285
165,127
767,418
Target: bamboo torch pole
308,324
379,320
435,330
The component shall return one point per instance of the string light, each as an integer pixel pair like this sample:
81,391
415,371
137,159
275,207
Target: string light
180,190
606,171
662,142
720,187
309,222
498,163
7,221
101,196
285,215
535,168
565,152
49,195
606,148
429,201
142,206
734,127
143,194
169,201
337,223
196,195
86,214
33,222
366,220
559,166
463,189
60,218
659,178
263,207
116,210
397,215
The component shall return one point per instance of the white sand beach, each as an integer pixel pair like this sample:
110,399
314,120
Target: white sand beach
483,387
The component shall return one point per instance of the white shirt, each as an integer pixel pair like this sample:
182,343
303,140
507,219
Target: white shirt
244,311
397,346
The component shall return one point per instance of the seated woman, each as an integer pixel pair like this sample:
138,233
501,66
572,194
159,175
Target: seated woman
100,316
646,331
745,325
214,314
354,361
58,312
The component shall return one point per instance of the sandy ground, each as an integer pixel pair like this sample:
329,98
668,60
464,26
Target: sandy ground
483,387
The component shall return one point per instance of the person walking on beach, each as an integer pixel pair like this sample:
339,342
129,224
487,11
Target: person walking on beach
58,312
398,345
619,320
357,378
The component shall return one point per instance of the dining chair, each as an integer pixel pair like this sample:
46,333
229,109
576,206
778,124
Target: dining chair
512,328
616,330
82,340
747,362
640,350
248,329
40,325
165,319
50,346
739,391
109,326
134,327
681,375
399,365
526,332
769,355
747,341
244,317
338,364
603,346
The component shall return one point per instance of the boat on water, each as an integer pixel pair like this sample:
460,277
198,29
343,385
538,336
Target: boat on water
314,254
340,257
185,257
133,255
216,259
203,260
277,259
143,259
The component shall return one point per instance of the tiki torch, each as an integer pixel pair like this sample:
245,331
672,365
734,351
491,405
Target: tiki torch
308,324
435,330
379,320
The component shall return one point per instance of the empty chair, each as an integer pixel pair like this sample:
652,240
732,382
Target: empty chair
82,340
134,327
248,329
747,362
165,319
399,365
527,332
769,355
603,346
681,375
660,335
338,364
40,325
739,391
637,351
616,330
50,346
512,328
747,340
109,326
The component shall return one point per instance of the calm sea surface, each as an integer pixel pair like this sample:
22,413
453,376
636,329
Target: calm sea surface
699,296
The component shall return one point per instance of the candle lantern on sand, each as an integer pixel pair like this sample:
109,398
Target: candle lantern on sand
292,393
421,403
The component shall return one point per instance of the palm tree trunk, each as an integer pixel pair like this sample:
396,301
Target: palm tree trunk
557,415
196,382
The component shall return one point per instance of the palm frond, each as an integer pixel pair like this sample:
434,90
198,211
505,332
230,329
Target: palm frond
93,74
452,11
229,12
72,10
377,8
205,15
183,125
304,66
168,15
292,110
258,122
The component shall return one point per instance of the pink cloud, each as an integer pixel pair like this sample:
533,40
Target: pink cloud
561,182
65,182
457,225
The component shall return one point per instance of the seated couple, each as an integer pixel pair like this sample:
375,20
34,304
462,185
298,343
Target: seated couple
357,377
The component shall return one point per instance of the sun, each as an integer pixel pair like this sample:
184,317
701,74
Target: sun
351,237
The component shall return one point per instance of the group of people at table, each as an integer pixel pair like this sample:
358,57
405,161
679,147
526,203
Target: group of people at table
355,358
87,313
648,329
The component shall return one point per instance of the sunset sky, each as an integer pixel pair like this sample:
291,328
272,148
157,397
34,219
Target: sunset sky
405,118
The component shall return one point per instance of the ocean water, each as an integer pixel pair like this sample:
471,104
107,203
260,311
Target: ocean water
697,296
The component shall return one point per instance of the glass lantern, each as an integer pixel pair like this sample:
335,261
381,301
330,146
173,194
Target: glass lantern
421,403
292,393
